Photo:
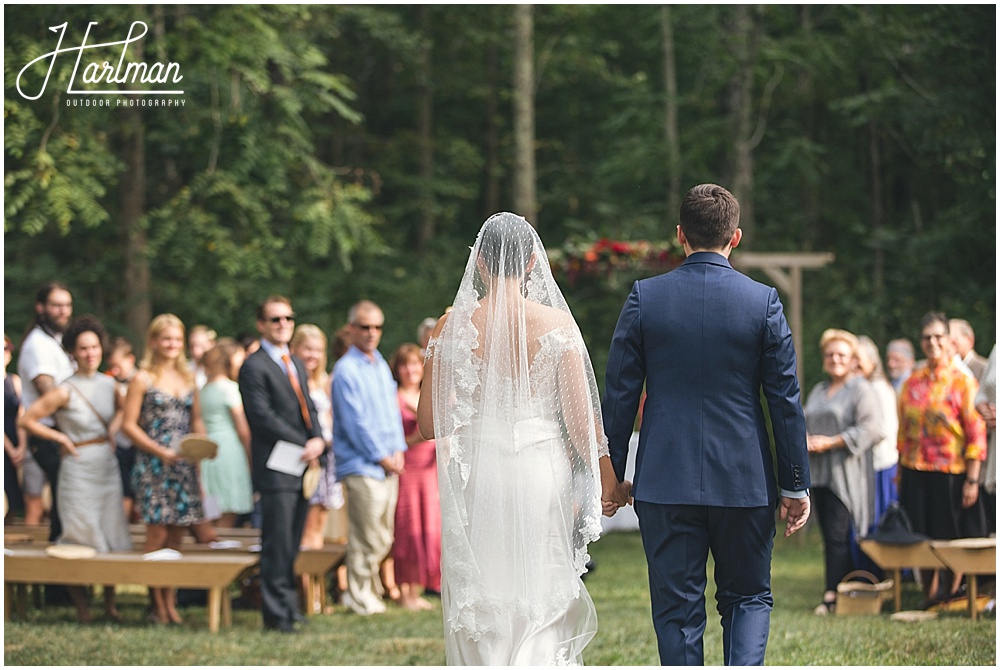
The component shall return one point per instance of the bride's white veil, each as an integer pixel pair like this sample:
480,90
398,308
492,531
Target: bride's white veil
518,427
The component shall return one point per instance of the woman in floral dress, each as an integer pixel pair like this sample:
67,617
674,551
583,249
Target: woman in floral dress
161,407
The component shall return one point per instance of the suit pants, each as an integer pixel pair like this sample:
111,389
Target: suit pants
371,512
677,539
283,518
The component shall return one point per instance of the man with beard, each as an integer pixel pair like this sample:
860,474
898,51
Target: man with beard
42,365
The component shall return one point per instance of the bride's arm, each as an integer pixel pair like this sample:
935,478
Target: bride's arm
425,407
584,428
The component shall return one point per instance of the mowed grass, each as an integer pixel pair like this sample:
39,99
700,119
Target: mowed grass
50,636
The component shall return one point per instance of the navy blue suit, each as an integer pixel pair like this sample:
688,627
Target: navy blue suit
705,341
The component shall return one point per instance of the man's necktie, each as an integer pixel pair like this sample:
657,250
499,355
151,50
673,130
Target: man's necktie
294,379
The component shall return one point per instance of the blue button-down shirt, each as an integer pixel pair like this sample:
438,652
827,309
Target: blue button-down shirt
367,425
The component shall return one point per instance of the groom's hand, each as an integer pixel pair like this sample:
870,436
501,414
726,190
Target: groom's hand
796,511
617,497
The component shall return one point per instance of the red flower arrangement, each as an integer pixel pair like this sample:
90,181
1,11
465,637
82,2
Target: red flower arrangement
605,258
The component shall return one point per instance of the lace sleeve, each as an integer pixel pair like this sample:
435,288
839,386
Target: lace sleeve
578,398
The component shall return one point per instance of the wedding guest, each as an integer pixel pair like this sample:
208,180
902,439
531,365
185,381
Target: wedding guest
87,411
843,424
963,338
986,405
942,443
309,344
899,362
42,364
884,454
249,342
227,476
15,440
201,339
122,367
424,331
417,547
161,407
279,410
368,443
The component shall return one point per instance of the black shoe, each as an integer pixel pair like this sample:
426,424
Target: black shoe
286,628
300,619
431,593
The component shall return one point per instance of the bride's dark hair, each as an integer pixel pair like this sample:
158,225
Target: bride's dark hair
506,245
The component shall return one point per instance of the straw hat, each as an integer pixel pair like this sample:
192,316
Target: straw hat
310,481
195,447
70,551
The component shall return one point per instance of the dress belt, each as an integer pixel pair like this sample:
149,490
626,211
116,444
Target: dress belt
96,440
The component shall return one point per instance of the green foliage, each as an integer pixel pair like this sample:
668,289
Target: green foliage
295,165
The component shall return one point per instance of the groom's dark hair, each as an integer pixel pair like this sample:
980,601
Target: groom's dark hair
709,216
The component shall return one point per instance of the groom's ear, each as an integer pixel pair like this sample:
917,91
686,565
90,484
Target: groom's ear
681,237
737,236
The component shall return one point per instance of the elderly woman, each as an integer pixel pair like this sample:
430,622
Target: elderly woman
843,423
87,412
942,443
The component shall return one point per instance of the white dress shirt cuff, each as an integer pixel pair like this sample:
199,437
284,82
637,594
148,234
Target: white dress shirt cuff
794,494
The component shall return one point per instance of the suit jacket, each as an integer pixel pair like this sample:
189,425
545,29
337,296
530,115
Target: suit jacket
706,340
273,412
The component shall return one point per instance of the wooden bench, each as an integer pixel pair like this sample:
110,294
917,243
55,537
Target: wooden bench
899,557
969,556
195,570
314,564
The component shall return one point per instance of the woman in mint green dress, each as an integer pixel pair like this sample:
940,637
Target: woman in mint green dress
227,476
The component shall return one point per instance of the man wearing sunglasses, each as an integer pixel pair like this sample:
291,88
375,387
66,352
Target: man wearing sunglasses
278,409
368,444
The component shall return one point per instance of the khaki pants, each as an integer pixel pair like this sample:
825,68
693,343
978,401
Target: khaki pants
371,511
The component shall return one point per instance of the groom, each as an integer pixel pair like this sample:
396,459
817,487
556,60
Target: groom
706,341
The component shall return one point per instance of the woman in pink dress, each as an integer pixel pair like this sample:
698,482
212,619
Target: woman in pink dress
417,547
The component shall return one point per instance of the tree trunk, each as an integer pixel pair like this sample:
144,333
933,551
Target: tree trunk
878,222
425,127
493,171
742,35
810,188
524,114
670,116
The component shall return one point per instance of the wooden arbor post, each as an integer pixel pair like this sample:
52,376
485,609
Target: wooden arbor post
785,270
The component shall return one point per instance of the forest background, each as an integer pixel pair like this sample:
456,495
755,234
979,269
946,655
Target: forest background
338,152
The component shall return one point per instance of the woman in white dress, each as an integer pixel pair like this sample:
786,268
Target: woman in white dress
510,396
87,412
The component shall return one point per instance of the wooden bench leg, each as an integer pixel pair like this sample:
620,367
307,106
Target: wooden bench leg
227,609
972,585
214,608
7,600
897,587
22,599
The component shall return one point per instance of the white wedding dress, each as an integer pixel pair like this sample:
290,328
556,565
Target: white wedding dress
517,423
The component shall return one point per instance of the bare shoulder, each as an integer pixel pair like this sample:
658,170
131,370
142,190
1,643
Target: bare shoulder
439,326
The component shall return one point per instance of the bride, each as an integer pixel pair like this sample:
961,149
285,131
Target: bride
510,396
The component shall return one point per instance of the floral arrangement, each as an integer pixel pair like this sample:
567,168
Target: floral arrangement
605,258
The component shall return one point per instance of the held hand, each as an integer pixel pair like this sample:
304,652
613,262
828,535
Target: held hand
817,444
617,497
392,464
796,511
169,456
314,448
17,456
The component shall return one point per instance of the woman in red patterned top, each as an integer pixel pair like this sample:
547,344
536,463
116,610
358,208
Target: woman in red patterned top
942,443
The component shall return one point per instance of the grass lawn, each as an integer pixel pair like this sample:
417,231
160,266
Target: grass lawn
618,586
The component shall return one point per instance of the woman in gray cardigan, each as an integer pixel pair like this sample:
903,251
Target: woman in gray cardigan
843,423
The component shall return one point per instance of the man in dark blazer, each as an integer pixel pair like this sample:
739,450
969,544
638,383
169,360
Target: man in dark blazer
706,341
278,407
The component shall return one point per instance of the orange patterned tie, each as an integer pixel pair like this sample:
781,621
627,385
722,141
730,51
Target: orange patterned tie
294,379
